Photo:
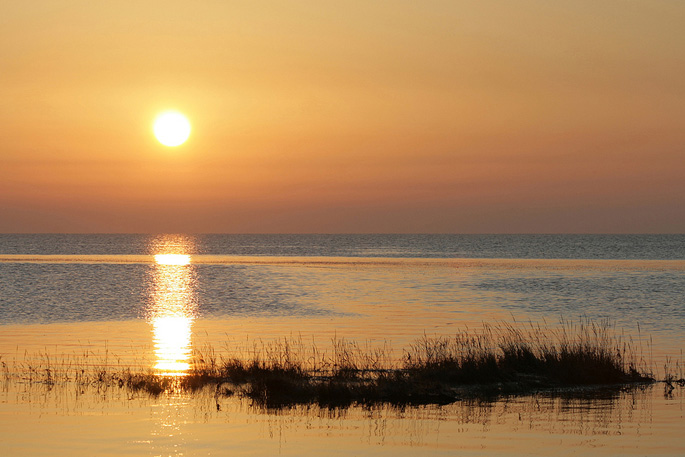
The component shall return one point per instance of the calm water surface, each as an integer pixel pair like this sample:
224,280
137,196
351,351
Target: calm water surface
66,421
654,247
147,301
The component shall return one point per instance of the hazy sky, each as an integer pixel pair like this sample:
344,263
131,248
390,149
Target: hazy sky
356,116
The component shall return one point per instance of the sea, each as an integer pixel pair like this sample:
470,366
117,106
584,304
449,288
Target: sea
148,301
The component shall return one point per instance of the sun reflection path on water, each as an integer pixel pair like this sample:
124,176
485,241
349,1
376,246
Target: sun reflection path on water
172,311
172,259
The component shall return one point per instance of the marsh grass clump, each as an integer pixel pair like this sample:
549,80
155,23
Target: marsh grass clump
504,359
149,382
573,354
496,360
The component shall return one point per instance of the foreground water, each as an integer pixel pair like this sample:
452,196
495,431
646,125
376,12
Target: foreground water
65,422
147,301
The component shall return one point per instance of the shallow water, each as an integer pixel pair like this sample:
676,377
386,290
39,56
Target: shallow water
71,421
364,299
106,301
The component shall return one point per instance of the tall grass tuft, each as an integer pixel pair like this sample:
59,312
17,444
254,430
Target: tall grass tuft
581,353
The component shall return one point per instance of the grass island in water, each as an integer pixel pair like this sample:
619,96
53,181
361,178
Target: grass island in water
499,360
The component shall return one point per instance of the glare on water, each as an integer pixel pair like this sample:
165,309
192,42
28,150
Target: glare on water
172,259
172,312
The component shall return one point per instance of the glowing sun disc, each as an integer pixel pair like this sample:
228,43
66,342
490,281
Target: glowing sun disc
171,128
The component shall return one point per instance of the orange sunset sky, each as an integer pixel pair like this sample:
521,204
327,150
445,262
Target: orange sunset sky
356,116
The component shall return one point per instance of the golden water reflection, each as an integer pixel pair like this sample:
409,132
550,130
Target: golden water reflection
172,259
172,344
172,310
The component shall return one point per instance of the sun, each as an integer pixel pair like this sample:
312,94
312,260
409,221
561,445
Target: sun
172,128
